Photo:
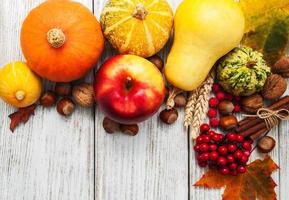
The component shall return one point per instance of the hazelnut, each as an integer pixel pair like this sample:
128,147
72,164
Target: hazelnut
228,122
83,94
226,107
157,61
281,67
274,87
169,116
266,144
252,103
180,101
48,99
131,129
65,106
110,126
63,89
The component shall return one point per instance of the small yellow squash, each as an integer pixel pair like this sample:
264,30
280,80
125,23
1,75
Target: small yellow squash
139,27
19,86
205,30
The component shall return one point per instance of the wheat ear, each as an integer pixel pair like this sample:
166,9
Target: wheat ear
201,106
190,107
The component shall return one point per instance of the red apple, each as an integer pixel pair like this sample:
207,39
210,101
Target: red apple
129,89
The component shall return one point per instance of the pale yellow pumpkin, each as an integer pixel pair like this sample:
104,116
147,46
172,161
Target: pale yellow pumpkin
19,86
139,27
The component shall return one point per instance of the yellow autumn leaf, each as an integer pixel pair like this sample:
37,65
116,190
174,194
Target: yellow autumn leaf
267,26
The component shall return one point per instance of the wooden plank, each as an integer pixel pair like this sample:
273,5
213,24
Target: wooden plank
151,165
283,145
50,157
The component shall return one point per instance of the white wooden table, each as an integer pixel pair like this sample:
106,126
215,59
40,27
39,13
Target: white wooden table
74,159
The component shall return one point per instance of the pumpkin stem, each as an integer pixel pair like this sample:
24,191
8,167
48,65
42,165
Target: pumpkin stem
251,64
140,12
20,95
55,37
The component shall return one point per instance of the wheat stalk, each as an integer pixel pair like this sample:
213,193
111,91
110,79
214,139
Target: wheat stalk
201,106
173,92
190,107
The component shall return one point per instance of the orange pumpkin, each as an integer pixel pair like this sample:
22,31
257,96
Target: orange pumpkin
61,40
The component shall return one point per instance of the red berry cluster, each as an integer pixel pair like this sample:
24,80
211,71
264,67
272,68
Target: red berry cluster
220,95
229,153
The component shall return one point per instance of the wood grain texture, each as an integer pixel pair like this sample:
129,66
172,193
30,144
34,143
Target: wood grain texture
150,166
55,158
50,157
283,145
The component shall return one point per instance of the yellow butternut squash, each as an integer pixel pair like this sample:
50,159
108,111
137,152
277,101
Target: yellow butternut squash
205,30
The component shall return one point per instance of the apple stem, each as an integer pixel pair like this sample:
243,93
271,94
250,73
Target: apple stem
128,83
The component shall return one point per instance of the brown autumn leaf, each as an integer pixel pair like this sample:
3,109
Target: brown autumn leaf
21,116
267,27
256,183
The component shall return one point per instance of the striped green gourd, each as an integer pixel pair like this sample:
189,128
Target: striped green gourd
243,71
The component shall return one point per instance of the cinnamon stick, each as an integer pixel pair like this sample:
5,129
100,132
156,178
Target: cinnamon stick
258,124
258,134
274,106
278,104
243,122
249,124
283,103
253,129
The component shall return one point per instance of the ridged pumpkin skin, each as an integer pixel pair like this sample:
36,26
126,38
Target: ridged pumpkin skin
19,86
139,27
80,50
205,30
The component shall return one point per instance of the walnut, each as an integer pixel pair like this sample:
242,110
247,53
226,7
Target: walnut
274,87
252,103
83,94
281,67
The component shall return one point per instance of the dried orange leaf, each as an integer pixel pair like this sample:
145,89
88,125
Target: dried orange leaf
255,183
267,27
21,116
